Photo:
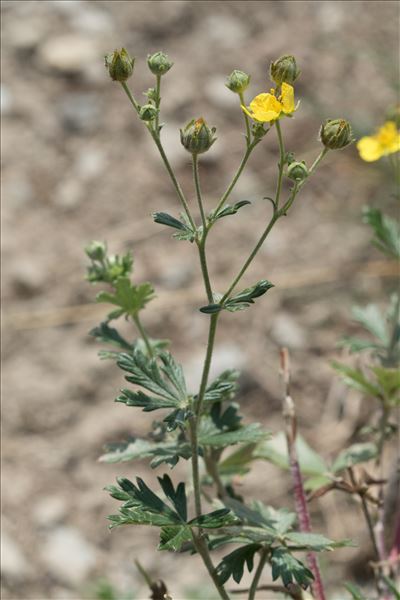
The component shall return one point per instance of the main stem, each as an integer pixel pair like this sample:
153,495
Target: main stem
144,335
257,574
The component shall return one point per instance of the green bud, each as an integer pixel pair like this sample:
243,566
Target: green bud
284,70
238,81
151,94
148,112
297,171
336,133
96,250
197,137
159,63
119,65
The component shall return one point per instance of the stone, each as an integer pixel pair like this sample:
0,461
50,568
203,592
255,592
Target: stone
69,54
50,510
79,112
13,562
68,555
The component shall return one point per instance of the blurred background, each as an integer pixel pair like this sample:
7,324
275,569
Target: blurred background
78,165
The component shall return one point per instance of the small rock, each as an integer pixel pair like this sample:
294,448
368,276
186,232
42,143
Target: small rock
68,193
90,163
6,99
28,277
79,112
226,356
68,555
287,332
50,510
69,54
224,31
13,562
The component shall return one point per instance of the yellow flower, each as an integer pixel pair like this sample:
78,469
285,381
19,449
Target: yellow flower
267,107
385,141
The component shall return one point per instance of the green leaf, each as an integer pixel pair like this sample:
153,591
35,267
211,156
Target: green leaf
355,454
355,591
222,388
242,300
314,541
210,435
386,230
232,565
109,335
222,517
167,381
237,462
186,232
128,297
176,496
172,538
373,320
389,381
358,345
275,522
228,209
356,379
275,451
161,452
289,568
392,587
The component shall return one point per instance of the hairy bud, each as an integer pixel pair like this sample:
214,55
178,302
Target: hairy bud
148,112
159,63
119,65
96,250
238,81
197,137
336,134
284,70
297,171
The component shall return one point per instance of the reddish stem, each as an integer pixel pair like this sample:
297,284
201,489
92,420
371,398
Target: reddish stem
300,501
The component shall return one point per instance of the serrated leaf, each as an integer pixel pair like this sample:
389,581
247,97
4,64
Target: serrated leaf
222,517
358,345
241,300
356,379
176,496
386,230
289,568
275,522
389,382
228,209
185,230
314,541
210,435
232,565
238,461
128,297
110,335
223,387
160,452
172,538
355,454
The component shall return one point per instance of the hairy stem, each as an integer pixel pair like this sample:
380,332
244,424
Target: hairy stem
281,163
195,465
144,335
207,363
303,515
158,101
202,549
246,120
257,574
195,165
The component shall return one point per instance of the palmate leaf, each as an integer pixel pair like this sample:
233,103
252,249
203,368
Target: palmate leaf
223,387
277,522
129,298
172,538
165,381
386,230
372,319
356,379
109,335
289,568
241,300
210,435
185,230
168,452
232,565
314,541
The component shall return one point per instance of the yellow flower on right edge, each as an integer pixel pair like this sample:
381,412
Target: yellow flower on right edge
385,141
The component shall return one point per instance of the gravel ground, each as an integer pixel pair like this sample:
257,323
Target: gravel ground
77,166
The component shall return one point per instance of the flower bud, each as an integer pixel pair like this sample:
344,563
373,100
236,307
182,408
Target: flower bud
238,81
284,70
148,112
336,133
159,63
197,137
297,171
96,250
119,65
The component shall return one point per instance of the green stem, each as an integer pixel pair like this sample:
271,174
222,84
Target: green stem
246,119
158,101
207,363
202,549
195,165
195,465
204,268
130,96
174,180
144,335
232,184
281,163
257,574
212,469
253,253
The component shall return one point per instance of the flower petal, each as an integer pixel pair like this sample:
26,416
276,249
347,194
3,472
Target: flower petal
369,148
265,108
288,98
